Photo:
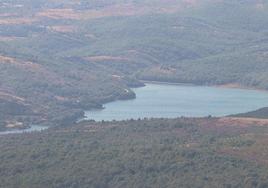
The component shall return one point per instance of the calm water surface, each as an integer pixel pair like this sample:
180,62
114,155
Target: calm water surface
159,100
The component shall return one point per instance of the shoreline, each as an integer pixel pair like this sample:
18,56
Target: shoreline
168,83
83,117
229,85
238,86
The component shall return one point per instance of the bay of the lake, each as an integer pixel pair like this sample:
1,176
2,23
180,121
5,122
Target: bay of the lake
170,101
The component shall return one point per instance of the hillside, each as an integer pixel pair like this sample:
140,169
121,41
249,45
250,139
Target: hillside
61,57
260,113
202,152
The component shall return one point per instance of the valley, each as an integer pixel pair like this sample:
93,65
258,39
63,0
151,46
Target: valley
63,59
133,93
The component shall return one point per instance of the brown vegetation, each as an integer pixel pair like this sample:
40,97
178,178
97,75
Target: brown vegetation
17,20
106,58
125,9
20,63
60,14
245,122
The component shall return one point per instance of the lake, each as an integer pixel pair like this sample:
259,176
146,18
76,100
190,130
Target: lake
170,101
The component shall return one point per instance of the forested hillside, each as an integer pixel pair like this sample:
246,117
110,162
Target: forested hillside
202,152
58,58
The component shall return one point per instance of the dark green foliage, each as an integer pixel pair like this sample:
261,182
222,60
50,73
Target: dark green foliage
261,113
144,153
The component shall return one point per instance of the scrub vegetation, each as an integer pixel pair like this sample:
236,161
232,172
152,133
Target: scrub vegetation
201,152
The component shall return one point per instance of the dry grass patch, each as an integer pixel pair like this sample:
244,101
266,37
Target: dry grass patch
105,58
244,122
125,9
60,14
13,61
16,21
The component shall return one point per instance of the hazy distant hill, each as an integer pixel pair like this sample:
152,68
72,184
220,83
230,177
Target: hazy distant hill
63,56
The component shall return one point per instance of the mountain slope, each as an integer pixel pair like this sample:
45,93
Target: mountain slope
66,56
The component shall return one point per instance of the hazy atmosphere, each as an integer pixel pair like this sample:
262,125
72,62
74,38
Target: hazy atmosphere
133,93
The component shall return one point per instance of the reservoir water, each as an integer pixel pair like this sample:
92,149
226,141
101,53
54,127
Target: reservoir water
170,101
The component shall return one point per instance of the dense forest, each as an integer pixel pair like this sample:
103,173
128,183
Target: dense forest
58,58
201,152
